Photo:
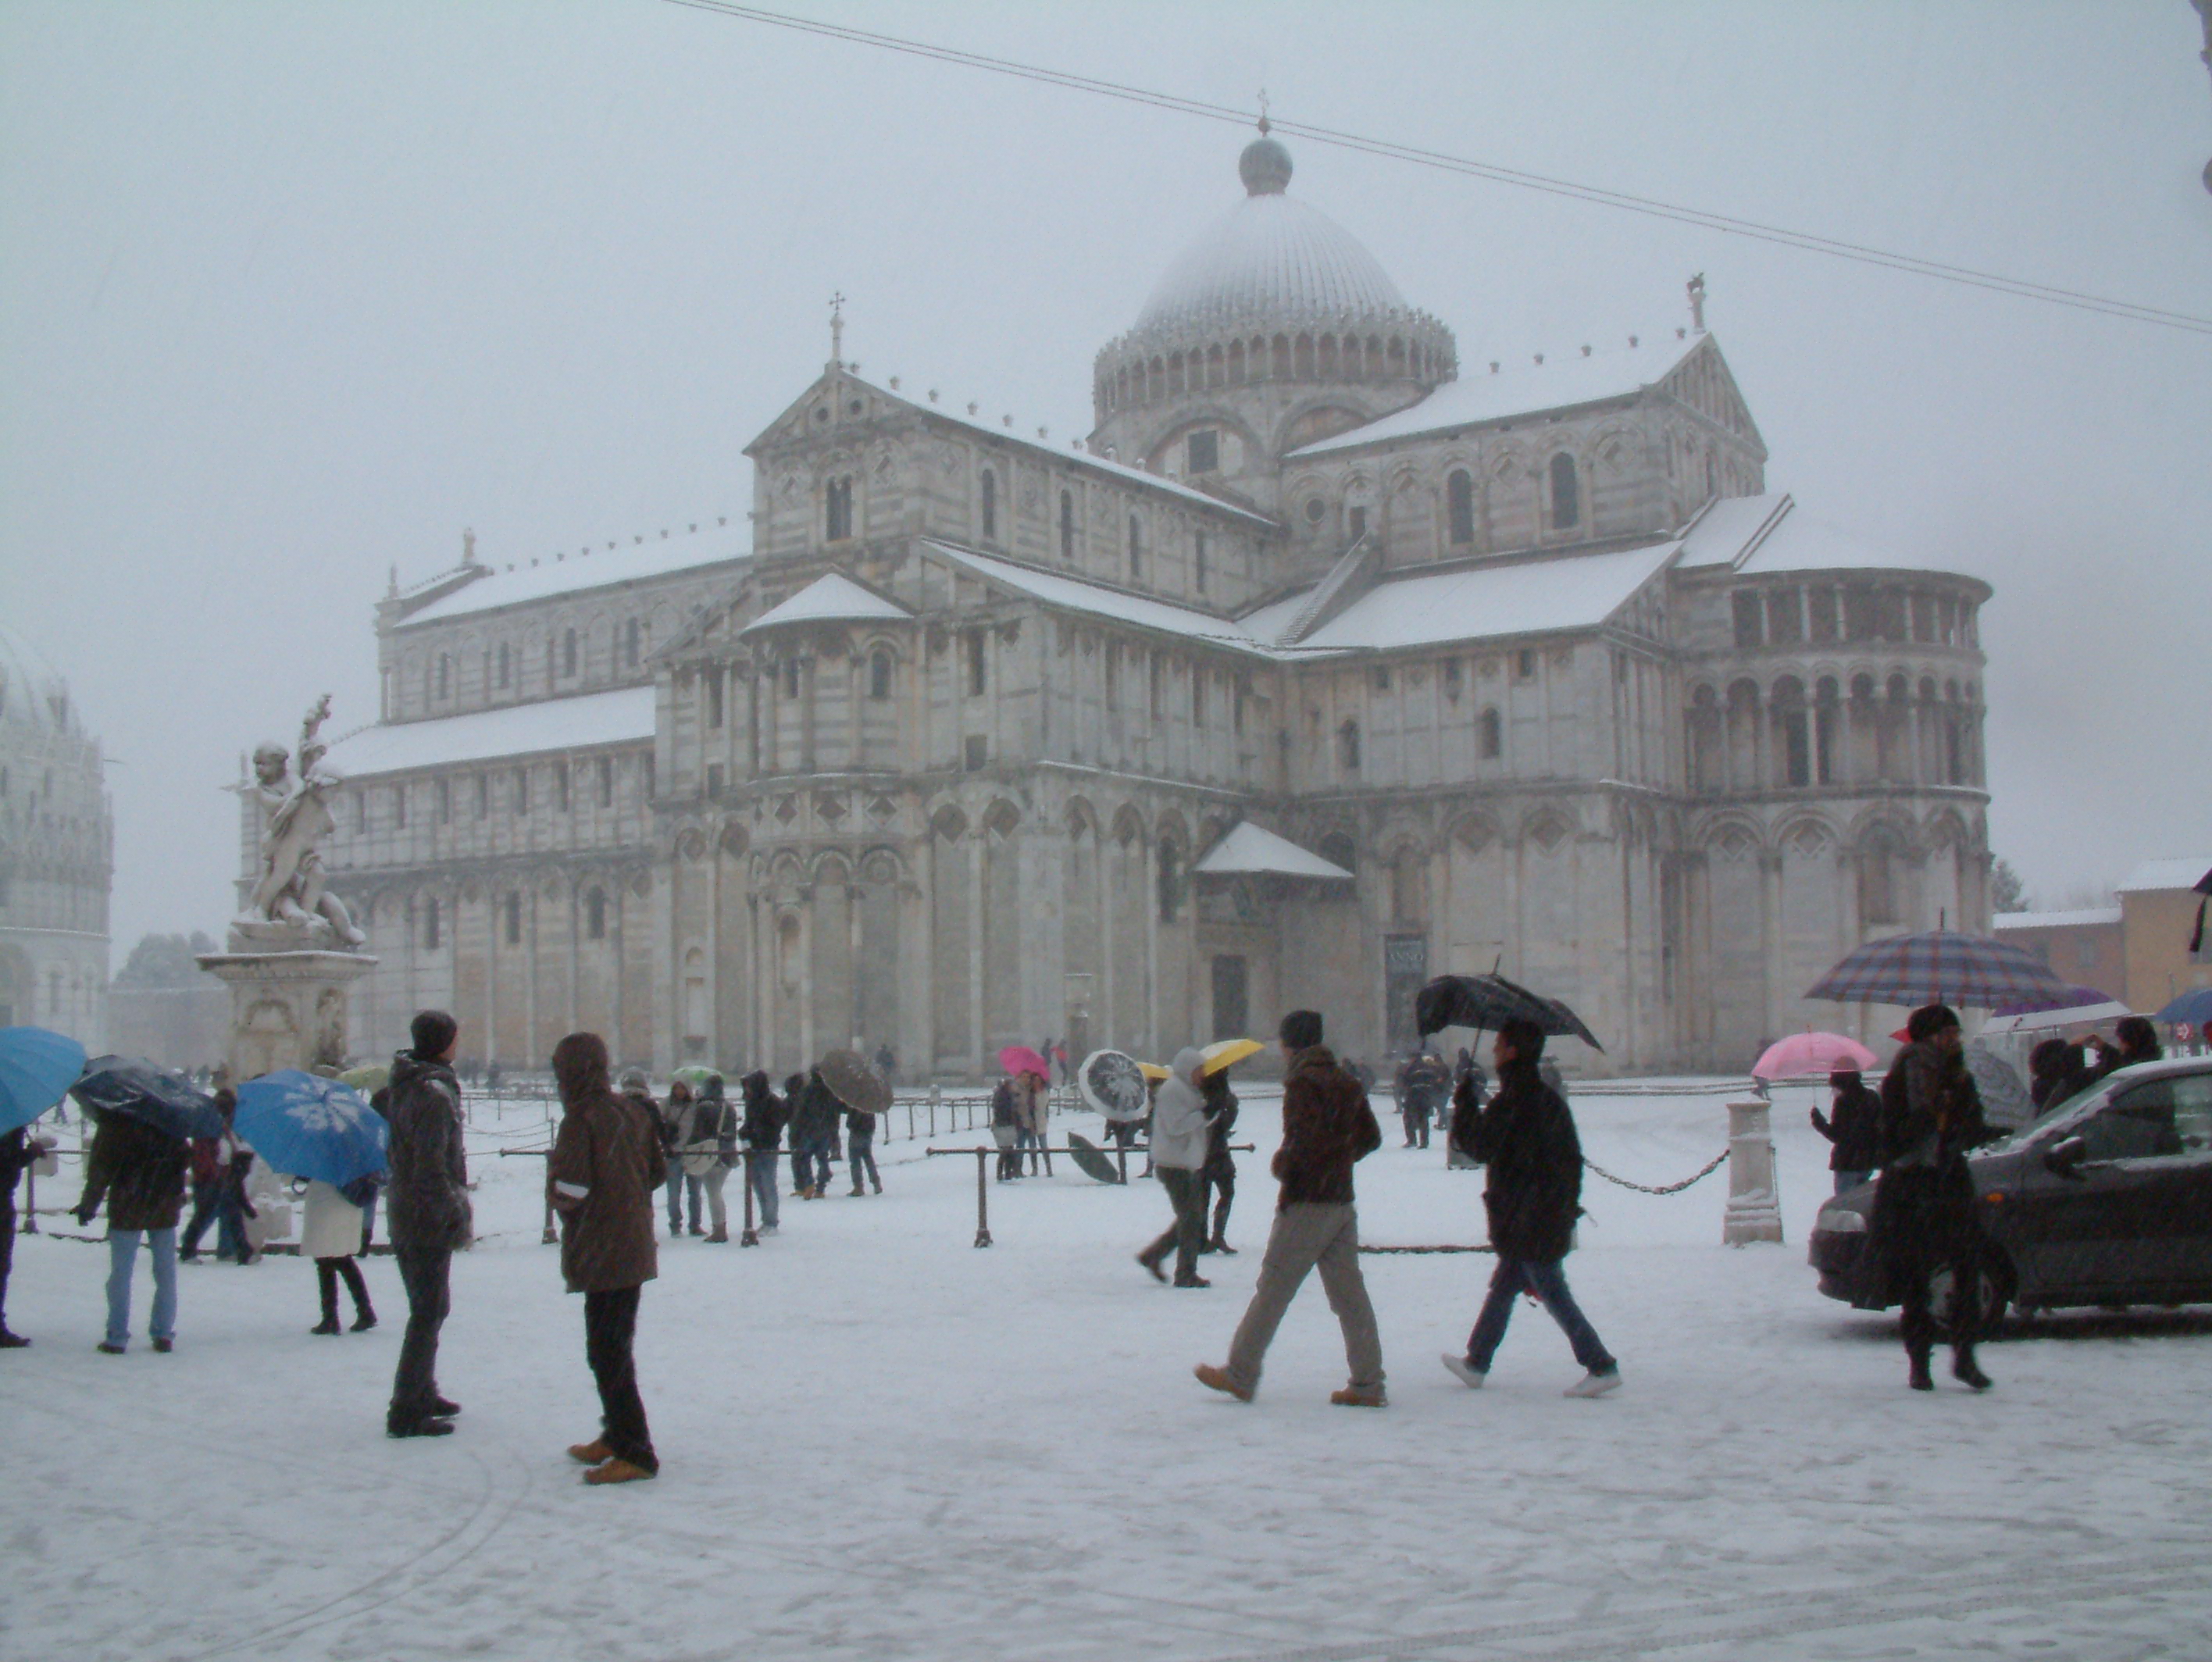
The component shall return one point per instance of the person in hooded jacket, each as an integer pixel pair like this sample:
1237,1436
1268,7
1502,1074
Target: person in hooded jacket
1005,1130
1854,1126
1328,1128
607,1161
710,1148
18,1149
1179,1125
1923,1208
1526,1136
814,1111
1219,1173
140,1172
428,1213
675,1130
762,1132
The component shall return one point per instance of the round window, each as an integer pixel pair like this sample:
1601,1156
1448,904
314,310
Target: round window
1315,508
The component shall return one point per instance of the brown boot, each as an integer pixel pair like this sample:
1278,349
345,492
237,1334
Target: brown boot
722,1235
1217,1379
1348,1398
593,1452
617,1471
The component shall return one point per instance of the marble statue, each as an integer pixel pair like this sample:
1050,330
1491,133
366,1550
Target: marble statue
291,907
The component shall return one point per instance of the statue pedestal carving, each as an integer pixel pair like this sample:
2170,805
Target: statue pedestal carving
288,1009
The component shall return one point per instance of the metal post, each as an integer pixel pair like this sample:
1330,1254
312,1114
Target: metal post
552,1236
1754,1209
982,1198
751,1237
1121,1158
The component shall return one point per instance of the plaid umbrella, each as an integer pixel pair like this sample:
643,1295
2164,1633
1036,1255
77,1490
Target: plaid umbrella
1940,967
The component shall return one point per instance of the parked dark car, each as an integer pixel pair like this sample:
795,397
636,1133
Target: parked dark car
2105,1200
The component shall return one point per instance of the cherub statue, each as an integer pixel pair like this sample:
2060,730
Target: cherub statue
296,816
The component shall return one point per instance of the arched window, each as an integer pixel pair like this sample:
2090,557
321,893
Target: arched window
631,643
990,505
1170,881
1347,747
838,509
445,676
1339,849
1068,524
1566,493
978,663
879,673
1489,736
1459,506
430,924
713,679
515,920
1198,560
568,653
506,664
1136,548
595,915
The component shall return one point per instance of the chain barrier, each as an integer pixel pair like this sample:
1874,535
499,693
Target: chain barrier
1664,1188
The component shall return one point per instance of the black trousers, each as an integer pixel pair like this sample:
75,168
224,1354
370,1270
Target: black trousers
1186,1191
1223,1186
329,1271
425,1271
610,1326
7,1252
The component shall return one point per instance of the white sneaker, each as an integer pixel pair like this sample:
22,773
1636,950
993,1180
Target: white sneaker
1464,1371
1595,1385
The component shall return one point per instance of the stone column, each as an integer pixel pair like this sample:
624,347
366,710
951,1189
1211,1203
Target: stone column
1754,1209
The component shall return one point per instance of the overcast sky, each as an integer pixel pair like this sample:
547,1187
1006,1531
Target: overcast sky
290,294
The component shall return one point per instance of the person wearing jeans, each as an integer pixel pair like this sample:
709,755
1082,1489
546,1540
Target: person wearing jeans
1328,1128
429,1215
675,1129
605,1163
140,1173
1526,1136
761,1131
860,1150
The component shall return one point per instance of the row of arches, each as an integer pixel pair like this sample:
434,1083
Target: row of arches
1241,360
1782,736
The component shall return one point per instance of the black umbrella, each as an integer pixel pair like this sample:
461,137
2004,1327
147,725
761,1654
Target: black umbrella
1487,1003
139,1090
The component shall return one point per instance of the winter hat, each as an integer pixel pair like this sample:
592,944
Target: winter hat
1301,1029
1928,1021
580,1066
433,1032
634,1079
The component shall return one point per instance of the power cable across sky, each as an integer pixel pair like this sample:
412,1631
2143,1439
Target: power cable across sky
1705,219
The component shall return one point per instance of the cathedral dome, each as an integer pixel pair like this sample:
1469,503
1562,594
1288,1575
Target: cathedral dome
1271,260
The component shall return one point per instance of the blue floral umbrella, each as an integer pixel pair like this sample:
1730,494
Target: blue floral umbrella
36,1068
309,1126
139,1090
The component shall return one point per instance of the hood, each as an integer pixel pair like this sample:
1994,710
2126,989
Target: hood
1313,1058
755,1085
407,1067
580,1067
1179,1093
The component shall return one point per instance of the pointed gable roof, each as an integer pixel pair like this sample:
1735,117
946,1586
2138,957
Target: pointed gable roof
833,598
1247,849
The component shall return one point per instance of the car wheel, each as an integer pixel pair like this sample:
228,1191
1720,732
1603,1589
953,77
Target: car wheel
1997,1290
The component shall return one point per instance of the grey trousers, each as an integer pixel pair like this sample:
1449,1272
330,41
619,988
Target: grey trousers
1306,1237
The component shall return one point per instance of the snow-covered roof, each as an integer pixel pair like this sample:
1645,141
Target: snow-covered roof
1729,527
1270,261
571,571
1531,597
1249,849
2082,918
832,597
1080,458
1557,383
1075,594
2153,875
623,716
1799,544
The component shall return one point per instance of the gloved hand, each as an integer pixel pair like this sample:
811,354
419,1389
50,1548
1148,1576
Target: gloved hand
84,1215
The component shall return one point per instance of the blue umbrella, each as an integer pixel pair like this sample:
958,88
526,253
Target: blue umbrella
139,1090
312,1127
2194,1007
36,1068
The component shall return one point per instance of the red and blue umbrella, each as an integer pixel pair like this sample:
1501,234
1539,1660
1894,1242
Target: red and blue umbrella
1941,967
36,1068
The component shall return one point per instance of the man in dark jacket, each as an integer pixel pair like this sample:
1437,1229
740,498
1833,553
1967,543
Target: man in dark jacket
1328,1128
140,1174
814,1111
1855,1128
18,1149
1422,1084
1526,1136
762,1132
1923,1208
429,1215
605,1164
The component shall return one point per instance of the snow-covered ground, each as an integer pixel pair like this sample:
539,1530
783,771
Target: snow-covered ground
879,1442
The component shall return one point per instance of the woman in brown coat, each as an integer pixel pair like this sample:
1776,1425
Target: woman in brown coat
605,1164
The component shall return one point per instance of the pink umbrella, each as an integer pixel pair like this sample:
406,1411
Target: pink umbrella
1801,1053
1020,1058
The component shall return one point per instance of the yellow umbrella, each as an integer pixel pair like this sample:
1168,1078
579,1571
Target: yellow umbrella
368,1080
1227,1052
1154,1071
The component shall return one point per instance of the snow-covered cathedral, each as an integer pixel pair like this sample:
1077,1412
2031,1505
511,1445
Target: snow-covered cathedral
1326,664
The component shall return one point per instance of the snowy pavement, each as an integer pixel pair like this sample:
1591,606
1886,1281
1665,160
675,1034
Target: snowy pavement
879,1442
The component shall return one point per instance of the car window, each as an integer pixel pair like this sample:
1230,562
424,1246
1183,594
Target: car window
2192,1111
2137,1124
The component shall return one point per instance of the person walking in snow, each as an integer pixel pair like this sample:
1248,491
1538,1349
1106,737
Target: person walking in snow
861,1150
1328,1128
334,1234
1421,1083
814,1111
1006,1130
18,1149
1923,1207
1219,1173
607,1161
1854,1126
762,1132
140,1173
1526,1137
675,1130
710,1148
219,1166
429,1215
1179,1127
